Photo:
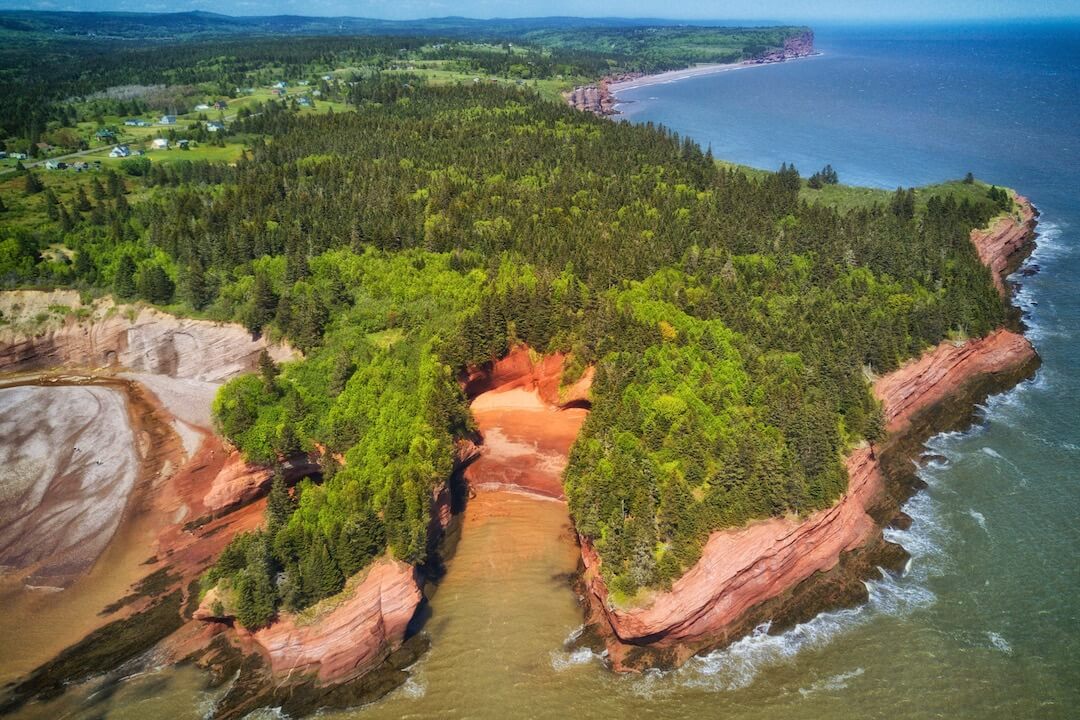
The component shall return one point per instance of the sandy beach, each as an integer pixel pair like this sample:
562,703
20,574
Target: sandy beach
696,71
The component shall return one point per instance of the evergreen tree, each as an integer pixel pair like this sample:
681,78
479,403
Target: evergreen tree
32,185
263,303
124,279
279,505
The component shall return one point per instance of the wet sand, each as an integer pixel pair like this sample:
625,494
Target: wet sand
67,467
526,442
76,525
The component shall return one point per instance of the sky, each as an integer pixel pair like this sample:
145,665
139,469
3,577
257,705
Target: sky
773,10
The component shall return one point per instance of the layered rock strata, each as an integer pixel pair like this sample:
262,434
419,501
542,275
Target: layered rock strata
785,570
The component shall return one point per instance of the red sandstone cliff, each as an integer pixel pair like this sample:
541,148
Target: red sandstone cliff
745,575
353,636
1006,242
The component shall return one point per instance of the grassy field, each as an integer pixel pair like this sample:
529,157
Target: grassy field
850,197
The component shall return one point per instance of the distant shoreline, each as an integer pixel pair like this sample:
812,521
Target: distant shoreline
671,76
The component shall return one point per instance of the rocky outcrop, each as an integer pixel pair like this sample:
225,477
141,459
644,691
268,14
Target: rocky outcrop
138,339
239,482
599,98
796,46
355,635
937,375
742,568
523,369
1005,244
785,570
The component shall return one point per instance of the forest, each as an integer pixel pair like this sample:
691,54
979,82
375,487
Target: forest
732,325
49,61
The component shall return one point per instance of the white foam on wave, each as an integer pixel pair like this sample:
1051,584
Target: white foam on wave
413,688
992,453
564,659
999,642
979,518
831,683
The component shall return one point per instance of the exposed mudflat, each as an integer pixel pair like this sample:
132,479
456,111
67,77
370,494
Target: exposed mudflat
68,464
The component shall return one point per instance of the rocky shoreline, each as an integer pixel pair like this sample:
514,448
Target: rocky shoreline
601,98
784,571
354,647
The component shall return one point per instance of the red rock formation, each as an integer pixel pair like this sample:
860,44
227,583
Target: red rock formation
519,369
797,46
352,637
742,568
933,377
1007,242
741,571
239,481
522,415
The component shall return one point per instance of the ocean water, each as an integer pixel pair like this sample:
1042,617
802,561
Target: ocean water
985,623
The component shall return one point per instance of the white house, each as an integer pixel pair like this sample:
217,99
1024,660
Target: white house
168,120
159,144
120,151
214,126
202,106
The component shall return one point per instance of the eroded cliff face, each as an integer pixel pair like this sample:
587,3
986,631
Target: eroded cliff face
785,570
1005,244
527,422
797,46
351,637
139,339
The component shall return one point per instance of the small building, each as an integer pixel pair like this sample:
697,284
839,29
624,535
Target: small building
214,126
17,156
168,120
202,106
327,78
52,165
281,85
80,166
120,151
159,144
44,146
2,154
304,102
221,105
105,134
183,144
279,92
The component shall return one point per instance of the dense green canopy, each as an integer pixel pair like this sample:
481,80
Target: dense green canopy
731,325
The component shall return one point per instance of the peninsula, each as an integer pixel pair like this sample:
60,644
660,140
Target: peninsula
324,311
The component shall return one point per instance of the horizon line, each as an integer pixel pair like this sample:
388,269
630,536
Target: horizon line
829,20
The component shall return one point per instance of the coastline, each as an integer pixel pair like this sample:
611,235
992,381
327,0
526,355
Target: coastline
756,574
602,97
671,76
